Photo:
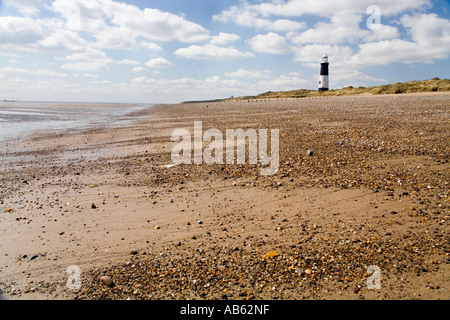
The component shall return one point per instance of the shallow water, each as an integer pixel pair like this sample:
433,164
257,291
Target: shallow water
20,119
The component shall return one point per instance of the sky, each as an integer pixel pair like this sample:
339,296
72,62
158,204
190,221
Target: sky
168,51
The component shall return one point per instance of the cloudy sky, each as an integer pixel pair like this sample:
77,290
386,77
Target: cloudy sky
162,51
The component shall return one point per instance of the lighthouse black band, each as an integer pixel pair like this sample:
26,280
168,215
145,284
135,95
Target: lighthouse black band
324,69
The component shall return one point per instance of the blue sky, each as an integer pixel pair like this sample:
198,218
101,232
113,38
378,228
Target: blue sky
164,51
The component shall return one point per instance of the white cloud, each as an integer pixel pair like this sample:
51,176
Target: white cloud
129,62
46,72
100,82
18,30
83,15
138,69
343,77
429,30
388,51
431,41
88,54
157,25
101,24
343,28
310,55
187,88
295,8
26,7
383,32
90,75
243,73
38,35
114,38
158,63
62,40
142,80
224,38
89,60
117,25
245,16
150,45
270,43
14,70
87,65
345,17
282,83
37,72
211,52
39,89
213,87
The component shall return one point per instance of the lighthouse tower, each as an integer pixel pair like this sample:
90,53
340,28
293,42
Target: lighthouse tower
323,80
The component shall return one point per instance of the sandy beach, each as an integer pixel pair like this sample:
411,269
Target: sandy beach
372,191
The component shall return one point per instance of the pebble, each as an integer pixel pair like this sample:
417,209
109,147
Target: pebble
107,281
271,254
33,257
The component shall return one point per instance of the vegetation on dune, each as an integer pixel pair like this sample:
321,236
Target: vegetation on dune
432,85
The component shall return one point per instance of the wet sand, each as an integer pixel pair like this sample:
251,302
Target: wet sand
373,193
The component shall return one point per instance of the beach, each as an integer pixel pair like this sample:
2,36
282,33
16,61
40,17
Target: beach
360,198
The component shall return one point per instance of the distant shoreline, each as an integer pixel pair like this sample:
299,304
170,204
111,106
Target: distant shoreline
204,101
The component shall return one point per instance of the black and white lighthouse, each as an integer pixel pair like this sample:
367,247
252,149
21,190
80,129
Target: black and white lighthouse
323,80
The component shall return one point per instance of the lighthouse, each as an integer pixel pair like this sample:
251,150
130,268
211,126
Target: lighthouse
323,80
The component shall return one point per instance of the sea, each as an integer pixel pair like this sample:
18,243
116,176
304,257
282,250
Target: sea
22,119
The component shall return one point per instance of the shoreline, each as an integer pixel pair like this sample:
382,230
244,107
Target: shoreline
318,213
22,120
